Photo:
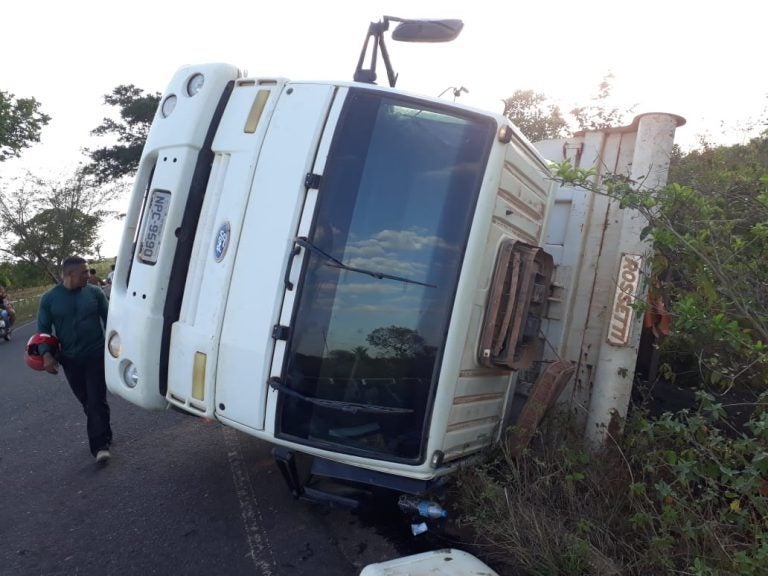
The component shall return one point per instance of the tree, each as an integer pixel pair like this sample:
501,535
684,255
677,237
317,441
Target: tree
360,352
398,341
539,119
598,114
20,123
42,222
137,110
534,116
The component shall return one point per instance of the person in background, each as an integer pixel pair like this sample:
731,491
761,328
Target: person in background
107,288
93,278
111,274
77,311
6,311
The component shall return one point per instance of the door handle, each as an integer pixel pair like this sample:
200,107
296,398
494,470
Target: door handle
294,252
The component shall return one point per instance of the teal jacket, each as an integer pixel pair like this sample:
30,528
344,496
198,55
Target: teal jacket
77,318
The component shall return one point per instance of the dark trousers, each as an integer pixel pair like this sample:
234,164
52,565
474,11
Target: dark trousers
86,379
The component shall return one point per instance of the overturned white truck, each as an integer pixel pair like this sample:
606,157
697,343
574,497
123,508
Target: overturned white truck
358,275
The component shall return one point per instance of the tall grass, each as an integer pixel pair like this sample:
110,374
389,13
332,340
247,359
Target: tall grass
25,301
553,511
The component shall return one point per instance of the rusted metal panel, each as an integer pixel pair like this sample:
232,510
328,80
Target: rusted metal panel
543,395
516,305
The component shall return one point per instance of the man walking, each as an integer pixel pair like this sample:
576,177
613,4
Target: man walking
77,311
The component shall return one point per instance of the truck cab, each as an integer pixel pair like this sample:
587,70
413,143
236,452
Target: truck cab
345,270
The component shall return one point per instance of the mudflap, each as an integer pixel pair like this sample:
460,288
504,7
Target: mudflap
544,394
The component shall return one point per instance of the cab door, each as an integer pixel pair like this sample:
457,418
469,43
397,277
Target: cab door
265,242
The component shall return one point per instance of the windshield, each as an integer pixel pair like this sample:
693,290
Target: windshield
385,251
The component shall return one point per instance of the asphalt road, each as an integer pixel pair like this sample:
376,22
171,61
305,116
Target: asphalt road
180,496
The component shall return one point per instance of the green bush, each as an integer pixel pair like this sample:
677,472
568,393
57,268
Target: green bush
680,494
15,275
699,495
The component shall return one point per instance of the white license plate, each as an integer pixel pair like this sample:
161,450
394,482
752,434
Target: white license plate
154,222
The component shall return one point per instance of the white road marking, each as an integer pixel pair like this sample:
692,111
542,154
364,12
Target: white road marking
258,543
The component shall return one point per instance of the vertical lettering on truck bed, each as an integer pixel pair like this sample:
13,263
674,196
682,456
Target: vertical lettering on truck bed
626,291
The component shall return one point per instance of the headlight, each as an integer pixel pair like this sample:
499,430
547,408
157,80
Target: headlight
168,105
114,345
195,84
130,375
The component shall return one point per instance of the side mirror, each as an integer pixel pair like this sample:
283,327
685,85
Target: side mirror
427,30
406,31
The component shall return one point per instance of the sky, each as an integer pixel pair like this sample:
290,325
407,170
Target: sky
699,60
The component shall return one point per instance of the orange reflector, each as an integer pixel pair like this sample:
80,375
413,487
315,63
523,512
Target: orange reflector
198,376
256,109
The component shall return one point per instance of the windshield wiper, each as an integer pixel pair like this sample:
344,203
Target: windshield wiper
352,407
305,243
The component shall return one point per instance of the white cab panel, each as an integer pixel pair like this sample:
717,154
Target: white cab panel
237,147
257,283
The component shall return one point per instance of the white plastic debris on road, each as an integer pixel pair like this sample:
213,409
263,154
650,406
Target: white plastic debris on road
447,562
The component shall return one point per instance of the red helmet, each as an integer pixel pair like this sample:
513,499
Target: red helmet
32,355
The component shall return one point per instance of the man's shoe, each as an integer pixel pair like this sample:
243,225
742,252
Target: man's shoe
102,456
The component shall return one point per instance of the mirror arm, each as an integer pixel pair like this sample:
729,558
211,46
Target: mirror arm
391,76
359,68
367,75
376,31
